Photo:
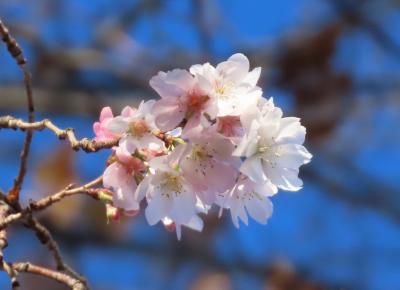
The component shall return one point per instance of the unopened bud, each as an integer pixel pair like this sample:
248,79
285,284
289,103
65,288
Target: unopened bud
112,213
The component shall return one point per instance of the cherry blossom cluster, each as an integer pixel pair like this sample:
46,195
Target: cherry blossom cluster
211,139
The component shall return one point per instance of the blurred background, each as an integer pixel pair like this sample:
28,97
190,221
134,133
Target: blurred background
334,63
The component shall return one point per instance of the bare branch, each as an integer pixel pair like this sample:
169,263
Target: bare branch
52,199
4,209
12,273
85,144
65,279
17,53
68,191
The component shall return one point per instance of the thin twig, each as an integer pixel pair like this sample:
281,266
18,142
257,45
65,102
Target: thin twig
4,209
65,279
50,200
85,144
11,273
16,52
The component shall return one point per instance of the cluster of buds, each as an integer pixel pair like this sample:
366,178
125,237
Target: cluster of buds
212,139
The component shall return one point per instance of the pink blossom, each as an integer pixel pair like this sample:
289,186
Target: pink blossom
136,129
181,100
120,178
230,85
208,165
100,128
212,139
230,126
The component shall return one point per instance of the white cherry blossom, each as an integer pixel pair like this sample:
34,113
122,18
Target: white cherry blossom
229,85
273,148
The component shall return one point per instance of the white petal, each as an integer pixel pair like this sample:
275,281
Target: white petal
253,76
157,208
293,181
183,207
118,125
195,223
259,209
150,141
235,68
290,156
252,168
178,230
142,189
291,131
128,144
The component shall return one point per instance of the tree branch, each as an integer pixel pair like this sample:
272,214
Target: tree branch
4,209
65,279
16,52
85,144
52,199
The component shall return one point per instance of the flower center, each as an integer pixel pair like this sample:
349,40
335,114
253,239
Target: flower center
264,149
171,184
138,128
199,152
195,103
223,90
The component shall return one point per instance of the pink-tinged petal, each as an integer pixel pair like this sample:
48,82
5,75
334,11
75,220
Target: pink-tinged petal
204,83
235,68
122,154
230,126
128,111
193,127
194,174
220,177
205,74
174,83
131,163
106,113
123,185
97,129
166,90
168,113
